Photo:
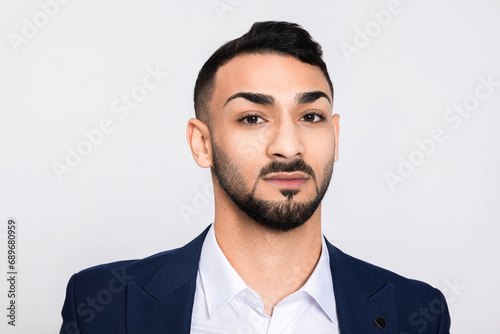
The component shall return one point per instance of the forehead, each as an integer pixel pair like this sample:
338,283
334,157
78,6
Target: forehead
277,75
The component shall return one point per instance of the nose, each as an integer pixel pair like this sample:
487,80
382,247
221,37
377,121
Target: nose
286,142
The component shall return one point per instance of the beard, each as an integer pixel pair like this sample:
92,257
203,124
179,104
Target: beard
284,215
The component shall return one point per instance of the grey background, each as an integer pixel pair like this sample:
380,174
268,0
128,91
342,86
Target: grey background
139,192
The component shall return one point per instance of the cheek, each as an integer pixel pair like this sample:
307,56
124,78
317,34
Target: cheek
248,149
321,152
241,156
321,146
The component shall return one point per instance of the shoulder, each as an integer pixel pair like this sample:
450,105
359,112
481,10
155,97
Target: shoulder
100,292
370,275
140,270
419,305
119,273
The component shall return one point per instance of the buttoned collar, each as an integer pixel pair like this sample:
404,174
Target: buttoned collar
221,283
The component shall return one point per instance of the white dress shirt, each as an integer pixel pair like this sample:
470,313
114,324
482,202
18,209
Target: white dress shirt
225,304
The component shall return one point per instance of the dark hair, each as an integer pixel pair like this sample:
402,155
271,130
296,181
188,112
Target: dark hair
273,37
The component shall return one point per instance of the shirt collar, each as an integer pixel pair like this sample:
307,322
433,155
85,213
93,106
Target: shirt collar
221,282
219,279
320,284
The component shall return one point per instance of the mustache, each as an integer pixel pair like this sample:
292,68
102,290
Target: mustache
297,165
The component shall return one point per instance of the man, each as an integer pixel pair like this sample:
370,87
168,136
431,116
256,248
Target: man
265,128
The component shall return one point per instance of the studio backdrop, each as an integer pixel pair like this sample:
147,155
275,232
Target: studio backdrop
94,101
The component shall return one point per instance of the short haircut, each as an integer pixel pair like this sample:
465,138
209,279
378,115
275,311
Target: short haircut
270,37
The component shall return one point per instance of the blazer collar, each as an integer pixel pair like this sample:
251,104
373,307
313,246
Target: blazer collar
164,304
361,295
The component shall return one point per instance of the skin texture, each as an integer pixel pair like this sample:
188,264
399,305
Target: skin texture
253,138
283,215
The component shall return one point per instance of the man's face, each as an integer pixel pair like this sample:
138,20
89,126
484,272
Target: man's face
272,137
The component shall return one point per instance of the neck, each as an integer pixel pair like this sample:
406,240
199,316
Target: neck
273,263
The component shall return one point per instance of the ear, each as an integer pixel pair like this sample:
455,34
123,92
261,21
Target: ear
198,138
336,131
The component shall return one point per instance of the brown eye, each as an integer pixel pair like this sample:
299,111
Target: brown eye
309,117
313,118
251,120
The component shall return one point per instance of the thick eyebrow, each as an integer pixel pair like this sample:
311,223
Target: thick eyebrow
258,98
308,97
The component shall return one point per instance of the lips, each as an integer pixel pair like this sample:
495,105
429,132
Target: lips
287,180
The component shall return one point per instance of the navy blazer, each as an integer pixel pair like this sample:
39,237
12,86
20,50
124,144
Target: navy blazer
156,294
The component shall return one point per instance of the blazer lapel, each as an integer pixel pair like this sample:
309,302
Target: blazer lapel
165,303
365,303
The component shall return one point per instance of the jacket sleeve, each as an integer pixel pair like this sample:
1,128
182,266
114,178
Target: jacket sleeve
445,320
69,315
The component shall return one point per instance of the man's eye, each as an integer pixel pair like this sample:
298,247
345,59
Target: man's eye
313,118
251,119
